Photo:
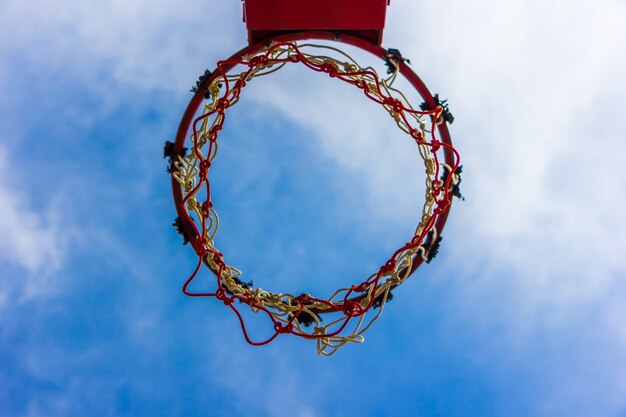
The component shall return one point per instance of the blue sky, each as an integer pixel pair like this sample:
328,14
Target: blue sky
522,312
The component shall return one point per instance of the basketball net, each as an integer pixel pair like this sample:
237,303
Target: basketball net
349,311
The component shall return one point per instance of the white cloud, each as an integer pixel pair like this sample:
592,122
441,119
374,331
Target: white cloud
528,85
164,47
542,171
538,93
32,239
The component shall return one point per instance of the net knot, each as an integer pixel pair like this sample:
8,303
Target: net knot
201,250
442,205
221,295
417,135
353,309
259,60
388,267
214,131
395,104
329,68
204,166
206,207
279,328
222,104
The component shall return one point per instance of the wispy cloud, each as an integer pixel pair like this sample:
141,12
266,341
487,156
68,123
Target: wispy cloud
536,91
532,267
140,44
31,238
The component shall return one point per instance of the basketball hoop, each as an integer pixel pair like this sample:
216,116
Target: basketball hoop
353,309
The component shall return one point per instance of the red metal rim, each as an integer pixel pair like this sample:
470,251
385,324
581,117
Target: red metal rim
196,101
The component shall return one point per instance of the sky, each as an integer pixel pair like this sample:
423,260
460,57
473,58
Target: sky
521,313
